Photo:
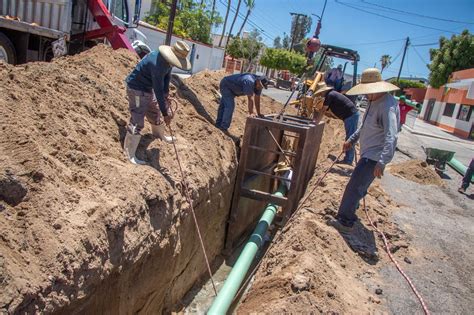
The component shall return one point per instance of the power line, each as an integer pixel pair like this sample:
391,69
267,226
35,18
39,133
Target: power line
419,55
416,14
374,43
429,44
390,18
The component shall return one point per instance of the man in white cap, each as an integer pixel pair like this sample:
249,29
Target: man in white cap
147,91
378,140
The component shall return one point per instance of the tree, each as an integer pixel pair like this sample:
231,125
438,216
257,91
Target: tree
452,55
225,22
300,26
385,61
245,48
277,42
403,84
250,5
192,20
233,22
286,41
282,59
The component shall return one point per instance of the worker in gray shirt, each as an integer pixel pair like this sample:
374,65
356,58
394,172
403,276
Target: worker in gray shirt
378,140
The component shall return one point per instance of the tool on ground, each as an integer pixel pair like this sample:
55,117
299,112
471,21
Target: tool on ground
190,202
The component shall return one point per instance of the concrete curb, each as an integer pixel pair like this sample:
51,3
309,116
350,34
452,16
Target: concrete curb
411,130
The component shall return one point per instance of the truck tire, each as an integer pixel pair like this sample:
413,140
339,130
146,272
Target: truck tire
7,50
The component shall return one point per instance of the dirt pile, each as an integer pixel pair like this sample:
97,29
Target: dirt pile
81,228
417,171
311,267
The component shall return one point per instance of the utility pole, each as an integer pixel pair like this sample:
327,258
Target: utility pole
296,28
169,32
403,58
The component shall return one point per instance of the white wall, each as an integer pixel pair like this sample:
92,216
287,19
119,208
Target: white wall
203,57
453,121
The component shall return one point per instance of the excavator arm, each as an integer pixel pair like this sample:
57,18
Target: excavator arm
114,33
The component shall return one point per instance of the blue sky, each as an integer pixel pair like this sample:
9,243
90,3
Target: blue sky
371,35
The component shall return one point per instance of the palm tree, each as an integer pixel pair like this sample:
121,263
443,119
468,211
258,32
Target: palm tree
233,22
250,5
225,22
385,61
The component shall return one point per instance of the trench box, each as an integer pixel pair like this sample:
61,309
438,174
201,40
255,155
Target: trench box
266,142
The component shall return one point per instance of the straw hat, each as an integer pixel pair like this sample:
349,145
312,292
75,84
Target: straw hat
372,83
282,167
177,55
322,87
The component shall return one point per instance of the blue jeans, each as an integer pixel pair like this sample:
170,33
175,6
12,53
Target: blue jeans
226,108
467,177
350,124
356,189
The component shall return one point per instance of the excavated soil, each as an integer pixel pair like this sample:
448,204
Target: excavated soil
310,268
83,230
417,171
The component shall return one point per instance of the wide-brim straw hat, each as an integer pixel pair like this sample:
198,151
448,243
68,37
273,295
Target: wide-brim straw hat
322,87
177,55
371,83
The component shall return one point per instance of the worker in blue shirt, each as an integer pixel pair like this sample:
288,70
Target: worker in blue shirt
147,91
234,85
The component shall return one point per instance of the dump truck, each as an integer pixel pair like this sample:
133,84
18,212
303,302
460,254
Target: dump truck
38,30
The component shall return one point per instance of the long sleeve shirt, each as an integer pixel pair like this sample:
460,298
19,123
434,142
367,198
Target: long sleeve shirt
153,73
378,132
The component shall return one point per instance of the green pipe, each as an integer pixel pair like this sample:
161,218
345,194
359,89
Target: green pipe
459,167
411,103
226,295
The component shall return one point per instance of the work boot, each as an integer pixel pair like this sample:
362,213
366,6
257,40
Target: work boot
159,132
339,226
130,145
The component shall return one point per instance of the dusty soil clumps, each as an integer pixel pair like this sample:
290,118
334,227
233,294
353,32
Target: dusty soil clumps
83,230
416,171
311,267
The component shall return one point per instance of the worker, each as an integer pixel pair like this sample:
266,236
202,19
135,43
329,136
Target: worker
335,78
342,108
240,84
404,109
378,140
467,177
147,91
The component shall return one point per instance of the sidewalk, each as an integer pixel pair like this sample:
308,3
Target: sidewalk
428,130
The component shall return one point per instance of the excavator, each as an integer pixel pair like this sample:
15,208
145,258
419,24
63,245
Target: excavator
42,29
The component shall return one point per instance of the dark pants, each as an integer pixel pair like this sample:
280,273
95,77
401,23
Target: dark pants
226,108
467,177
350,124
356,189
141,105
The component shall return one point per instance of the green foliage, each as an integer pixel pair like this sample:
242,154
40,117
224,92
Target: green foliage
385,61
192,20
281,59
402,84
247,48
452,55
300,26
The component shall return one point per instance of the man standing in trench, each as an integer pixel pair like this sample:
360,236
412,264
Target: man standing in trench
378,140
147,91
342,108
234,85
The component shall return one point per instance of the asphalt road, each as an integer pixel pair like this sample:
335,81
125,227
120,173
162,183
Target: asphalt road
278,94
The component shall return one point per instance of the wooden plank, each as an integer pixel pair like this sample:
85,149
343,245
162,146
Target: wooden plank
276,124
287,153
263,196
268,175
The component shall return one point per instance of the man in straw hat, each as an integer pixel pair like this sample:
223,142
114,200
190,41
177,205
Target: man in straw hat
152,74
342,108
378,140
239,84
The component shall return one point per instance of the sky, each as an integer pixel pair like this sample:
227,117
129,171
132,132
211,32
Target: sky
371,34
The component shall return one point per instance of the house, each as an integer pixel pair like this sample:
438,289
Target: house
451,106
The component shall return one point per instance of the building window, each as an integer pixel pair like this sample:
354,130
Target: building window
465,112
449,109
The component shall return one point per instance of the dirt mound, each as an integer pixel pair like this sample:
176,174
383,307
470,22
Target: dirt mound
94,232
417,171
311,267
